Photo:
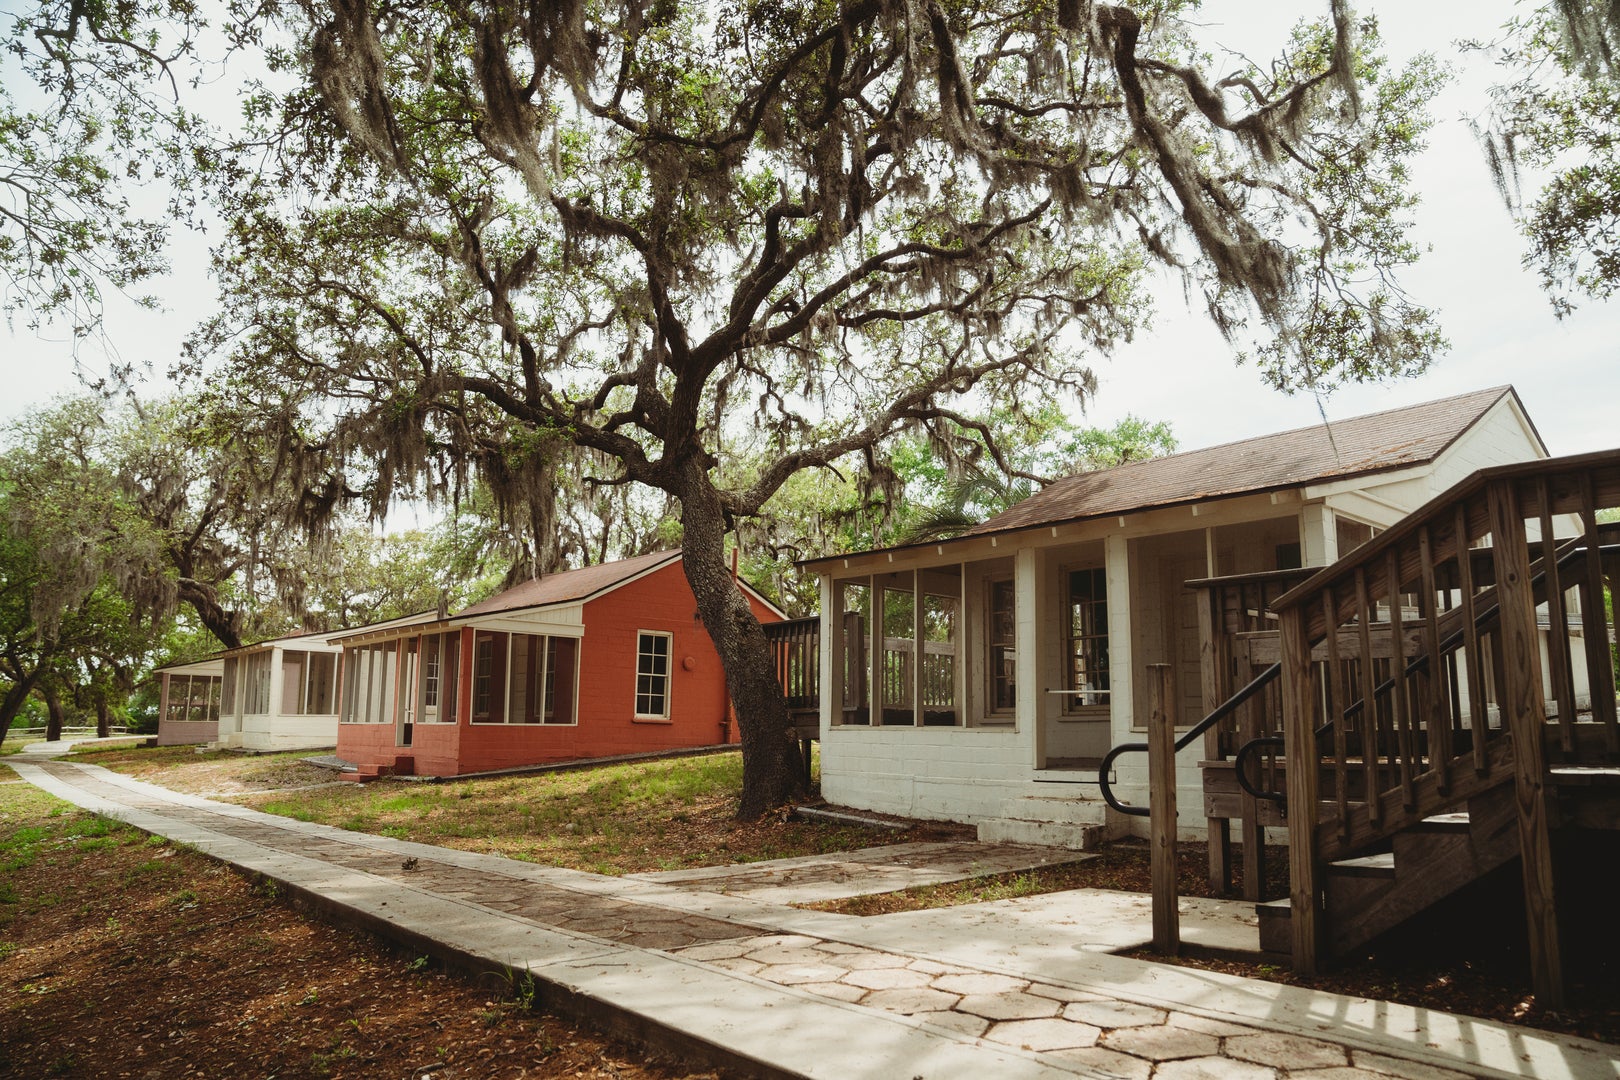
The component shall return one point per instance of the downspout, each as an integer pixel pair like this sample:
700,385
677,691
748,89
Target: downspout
725,687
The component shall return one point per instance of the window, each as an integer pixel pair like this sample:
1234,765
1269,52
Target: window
430,673
1087,634
1001,635
450,677
652,674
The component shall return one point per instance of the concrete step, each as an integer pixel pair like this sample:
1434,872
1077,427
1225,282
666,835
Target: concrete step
1044,833
1056,810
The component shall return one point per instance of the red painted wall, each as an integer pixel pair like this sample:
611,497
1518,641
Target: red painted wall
661,601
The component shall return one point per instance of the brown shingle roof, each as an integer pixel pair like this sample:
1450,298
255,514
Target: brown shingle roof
1395,438
569,585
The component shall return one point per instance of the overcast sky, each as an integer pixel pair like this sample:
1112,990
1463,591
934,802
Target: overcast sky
1501,327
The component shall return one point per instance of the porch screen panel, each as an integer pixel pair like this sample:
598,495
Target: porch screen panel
489,677
450,678
1087,634
257,669
202,690
562,679
214,691
409,674
940,629
353,672
227,690
179,694
528,678
896,674
855,667
388,685
320,684
292,681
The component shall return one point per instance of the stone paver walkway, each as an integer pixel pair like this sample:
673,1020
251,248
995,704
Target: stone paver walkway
814,878
771,990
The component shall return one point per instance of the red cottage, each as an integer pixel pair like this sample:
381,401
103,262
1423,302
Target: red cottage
595,662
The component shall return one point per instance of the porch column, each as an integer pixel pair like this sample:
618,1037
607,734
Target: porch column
1030,604
275,682
832,648
1121,666
1318,536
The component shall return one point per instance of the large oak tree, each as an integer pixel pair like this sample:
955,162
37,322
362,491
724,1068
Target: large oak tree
711,245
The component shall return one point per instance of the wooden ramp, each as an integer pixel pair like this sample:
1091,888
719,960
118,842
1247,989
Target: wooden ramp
1451,685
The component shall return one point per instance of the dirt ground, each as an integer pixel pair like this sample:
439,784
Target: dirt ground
1467,956
124,956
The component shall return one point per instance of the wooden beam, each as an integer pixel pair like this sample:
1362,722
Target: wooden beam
1299,747
1162,806
1215,658
1523,712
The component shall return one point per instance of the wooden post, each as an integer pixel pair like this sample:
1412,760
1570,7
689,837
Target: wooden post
1299,750
1216,662
1162,804
1523,713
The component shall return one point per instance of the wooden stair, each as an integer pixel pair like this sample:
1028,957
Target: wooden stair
1369,894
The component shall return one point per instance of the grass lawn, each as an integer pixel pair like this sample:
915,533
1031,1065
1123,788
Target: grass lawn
124,955
612,819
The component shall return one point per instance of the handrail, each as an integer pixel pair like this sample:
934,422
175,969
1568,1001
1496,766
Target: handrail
1226,708
1222,711
1414,666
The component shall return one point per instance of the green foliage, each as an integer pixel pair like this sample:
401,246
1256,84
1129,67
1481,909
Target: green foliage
90,114
1558,114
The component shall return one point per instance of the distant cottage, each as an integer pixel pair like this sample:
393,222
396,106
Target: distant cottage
600,661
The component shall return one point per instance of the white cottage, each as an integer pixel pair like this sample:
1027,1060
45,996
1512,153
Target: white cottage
280,695
188,702
981,679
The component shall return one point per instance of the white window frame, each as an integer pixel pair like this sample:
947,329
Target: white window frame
993,714
668,676
505,688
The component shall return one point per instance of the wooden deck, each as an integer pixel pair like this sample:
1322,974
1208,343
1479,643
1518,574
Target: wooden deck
1451,685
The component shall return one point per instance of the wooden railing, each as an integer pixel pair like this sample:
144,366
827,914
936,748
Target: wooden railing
1412,674
796,646
1238,632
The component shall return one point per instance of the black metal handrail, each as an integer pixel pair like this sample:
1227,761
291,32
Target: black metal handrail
1222,711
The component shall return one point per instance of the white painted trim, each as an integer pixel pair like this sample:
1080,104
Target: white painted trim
669,679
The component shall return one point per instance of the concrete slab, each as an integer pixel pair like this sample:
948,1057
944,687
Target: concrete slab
1101,920
1015,989
839,875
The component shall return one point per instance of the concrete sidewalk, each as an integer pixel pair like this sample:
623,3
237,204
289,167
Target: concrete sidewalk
997,991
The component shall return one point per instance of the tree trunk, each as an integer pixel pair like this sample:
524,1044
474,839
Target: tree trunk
15,697
53,707
103,723
772,766
204,600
